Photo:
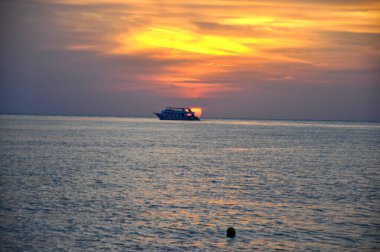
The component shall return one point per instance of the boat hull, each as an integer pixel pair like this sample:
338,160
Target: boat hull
182,118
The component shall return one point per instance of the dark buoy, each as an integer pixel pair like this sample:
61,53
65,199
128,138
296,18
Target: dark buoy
231,232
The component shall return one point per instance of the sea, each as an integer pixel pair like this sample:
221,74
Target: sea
71,183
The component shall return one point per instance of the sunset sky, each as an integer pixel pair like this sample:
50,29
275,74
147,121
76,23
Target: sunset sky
265,59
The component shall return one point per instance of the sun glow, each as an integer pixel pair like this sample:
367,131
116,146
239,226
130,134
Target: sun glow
197,111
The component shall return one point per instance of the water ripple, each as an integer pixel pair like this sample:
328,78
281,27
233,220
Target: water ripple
125,184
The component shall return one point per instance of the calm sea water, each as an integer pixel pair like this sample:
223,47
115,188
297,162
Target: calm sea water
92,183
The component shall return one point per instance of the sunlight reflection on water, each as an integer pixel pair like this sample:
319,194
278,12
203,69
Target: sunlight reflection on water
141,184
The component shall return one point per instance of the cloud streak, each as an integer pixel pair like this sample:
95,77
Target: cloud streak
207,53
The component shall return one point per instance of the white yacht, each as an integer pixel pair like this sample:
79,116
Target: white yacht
173,113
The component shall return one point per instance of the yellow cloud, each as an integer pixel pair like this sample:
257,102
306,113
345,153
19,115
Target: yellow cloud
249,21
179,39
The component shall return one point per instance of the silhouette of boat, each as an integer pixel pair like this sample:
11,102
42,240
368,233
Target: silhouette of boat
173,113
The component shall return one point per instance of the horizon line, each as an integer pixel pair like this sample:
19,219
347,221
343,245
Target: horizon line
207,118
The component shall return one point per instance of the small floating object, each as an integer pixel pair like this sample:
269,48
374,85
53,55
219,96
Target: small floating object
231,232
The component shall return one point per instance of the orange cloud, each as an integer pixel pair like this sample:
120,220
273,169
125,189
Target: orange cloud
205,38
